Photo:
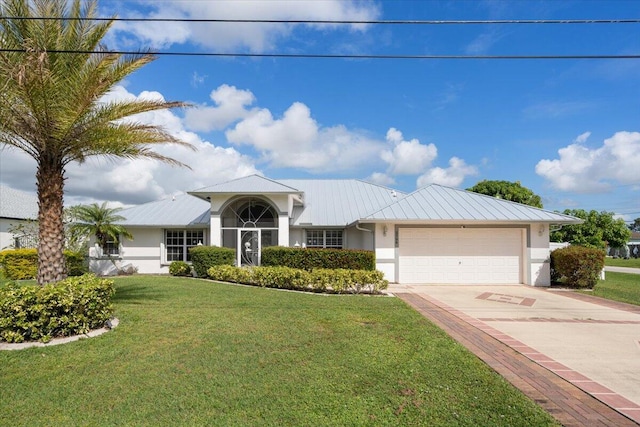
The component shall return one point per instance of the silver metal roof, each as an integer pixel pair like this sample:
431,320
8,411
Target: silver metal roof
440,204
252,184
17,204
338,202
179,211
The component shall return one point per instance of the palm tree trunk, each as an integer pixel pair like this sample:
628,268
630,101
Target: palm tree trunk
50,183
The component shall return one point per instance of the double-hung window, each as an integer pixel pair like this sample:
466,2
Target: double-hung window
324,239
178,242
111,247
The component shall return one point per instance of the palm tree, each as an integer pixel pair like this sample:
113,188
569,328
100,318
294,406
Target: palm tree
99,221
54,74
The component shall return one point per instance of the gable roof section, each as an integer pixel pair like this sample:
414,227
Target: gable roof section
338,202
180,211
252,184
16,204
442,204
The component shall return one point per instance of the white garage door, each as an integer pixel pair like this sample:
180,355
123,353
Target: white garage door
460,255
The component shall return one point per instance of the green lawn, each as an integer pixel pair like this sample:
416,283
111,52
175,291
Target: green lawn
191,352
619,287
620,262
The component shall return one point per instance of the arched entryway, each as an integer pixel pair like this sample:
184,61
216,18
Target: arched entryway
248,225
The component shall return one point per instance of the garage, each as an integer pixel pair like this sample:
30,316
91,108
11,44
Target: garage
460,255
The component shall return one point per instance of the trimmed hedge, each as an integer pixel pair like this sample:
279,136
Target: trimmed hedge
179,268
72,306
577,266
310,258
22,264
320,279
205,257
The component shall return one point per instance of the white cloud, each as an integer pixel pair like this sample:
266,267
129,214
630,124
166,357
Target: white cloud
585,170
407,157
296,140
582,138
137,181
231,106
381,179
452,176
257,37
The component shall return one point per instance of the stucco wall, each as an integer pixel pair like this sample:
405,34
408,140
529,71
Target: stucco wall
537,256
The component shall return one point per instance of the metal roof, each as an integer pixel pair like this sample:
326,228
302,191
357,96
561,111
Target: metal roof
338,202
178,211
440,204
252,184
17,204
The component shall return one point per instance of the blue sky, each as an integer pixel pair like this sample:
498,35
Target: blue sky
567,129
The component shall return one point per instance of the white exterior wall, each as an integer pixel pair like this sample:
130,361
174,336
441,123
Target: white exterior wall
144,253
537,260
386,253
296,235
6,238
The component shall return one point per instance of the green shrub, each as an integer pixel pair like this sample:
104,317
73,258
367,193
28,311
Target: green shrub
72,306
577,266
76,263
229,273
22,264
310,258
19,264
321,279
205,257
179,268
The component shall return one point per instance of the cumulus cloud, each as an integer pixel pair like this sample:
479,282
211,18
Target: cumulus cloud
452,176
136,181
257,37
381,179
296,140
407,157
231,106
586,170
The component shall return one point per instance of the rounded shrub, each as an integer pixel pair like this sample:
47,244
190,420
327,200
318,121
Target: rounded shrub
179,268
577,266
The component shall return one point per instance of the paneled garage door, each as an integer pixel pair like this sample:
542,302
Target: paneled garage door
460,255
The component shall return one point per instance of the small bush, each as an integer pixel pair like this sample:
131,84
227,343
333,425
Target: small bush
577,266
72,306
22,264
179,268
205,257
310,258
338,280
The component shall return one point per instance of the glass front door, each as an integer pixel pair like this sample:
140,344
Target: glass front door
249,247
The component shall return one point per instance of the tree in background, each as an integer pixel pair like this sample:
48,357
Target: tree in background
512,191
54,75
99,221
598,230
635,225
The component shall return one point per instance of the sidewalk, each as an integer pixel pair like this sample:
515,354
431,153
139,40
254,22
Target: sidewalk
532,337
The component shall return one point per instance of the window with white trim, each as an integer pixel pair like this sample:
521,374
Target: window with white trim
324,239
178,242
111,247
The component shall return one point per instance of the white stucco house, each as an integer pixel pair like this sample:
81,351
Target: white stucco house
16,207
433,235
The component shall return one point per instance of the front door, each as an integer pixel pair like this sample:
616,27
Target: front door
249,247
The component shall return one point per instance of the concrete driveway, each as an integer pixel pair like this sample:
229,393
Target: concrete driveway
591,343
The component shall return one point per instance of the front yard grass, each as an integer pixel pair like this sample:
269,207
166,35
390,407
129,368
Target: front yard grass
619,287
621,262
191,352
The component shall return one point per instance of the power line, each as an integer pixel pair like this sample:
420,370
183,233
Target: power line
348,22
336,56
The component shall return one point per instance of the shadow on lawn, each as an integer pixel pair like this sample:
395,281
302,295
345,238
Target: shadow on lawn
134,293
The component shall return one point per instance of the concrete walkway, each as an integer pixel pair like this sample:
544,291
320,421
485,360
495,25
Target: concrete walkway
575,355
628,270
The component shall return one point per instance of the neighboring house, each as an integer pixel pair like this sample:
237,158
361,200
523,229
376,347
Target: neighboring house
433,235
16,207
634,244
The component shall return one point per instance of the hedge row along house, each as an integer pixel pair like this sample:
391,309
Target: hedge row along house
434,235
